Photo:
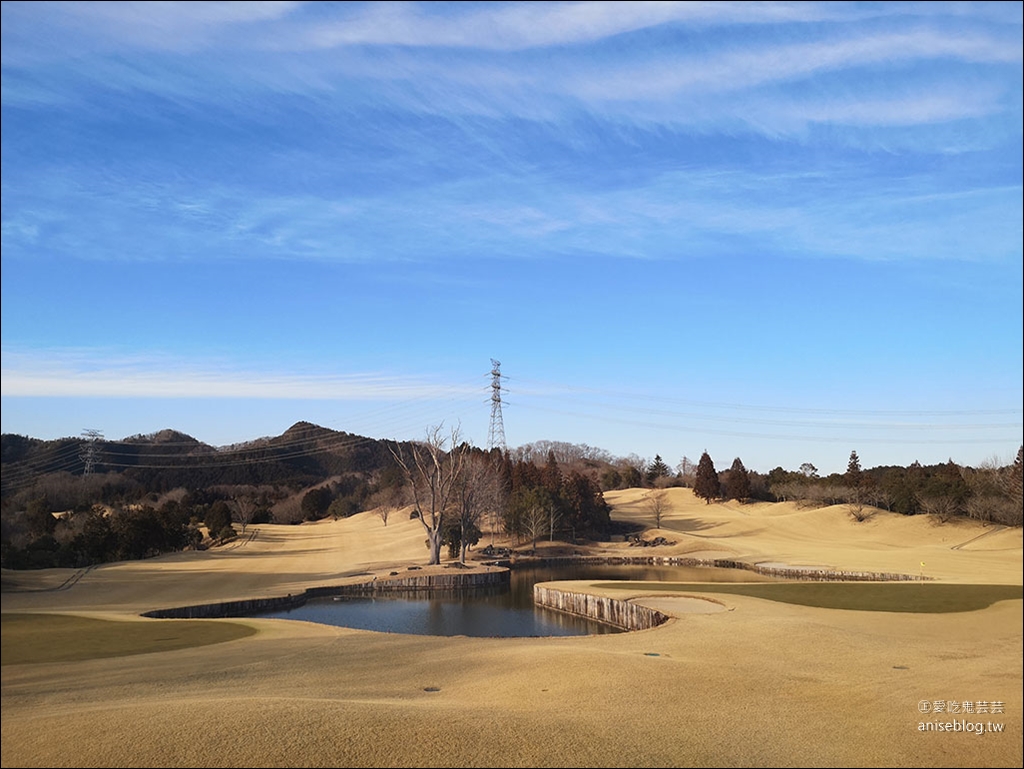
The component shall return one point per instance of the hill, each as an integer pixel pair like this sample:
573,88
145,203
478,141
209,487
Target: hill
304,455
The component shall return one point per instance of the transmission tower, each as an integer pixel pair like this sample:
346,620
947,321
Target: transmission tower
496,432
90,454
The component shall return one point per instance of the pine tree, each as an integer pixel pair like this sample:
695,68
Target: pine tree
738,482
706,486
551,475
853,476
658,469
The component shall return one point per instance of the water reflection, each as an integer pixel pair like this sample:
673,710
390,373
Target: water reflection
492,612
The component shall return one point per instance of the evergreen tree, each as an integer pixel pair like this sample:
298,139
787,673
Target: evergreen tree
584,504
218,517
853,471
551,476
737,485
855,478
706,485
658,469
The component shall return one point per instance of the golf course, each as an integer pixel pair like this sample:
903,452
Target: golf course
921,671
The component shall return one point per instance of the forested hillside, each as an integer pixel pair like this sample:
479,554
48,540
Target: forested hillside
75,501
84,500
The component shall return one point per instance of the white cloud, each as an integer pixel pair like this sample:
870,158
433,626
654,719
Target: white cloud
103,374
450,60
147,25
518,26
915,110
743,68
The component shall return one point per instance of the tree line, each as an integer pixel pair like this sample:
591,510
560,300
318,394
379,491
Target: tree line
73,521
64,517
991,493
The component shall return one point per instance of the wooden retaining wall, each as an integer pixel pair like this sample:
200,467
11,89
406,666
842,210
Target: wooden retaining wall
245,608
456,581
501,576
611,611
424,582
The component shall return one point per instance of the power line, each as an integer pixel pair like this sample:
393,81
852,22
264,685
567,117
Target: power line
90,453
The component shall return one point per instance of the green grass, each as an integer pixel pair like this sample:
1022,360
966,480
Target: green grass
919,598
33,638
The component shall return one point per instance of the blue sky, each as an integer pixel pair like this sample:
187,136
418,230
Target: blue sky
781,232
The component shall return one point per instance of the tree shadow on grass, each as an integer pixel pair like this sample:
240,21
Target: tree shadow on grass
35,638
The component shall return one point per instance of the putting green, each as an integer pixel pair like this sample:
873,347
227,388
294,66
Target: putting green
33,638
922,598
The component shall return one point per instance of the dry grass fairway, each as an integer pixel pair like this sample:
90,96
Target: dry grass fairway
762,683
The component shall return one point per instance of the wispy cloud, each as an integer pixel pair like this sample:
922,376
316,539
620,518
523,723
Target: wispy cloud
88,373
503,27
670,74
518,26
77,28
913,109
487,111
189,26
846,212
543,61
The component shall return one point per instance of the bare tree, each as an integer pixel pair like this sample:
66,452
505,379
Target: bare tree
879,497
686,467
535,516
1010,484
477,494
1013,484
859,510
555,515
243,509
941,506
433,469
657,505
386,501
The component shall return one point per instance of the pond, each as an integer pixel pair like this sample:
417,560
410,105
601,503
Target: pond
492,612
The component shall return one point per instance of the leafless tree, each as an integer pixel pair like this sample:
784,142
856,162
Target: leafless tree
686,467
1012,483
564,452
879,497
942,506
656,503
243,509
995,492
535,517
386,501
859,510
786,491
433,469
554,517
1009,481
477,494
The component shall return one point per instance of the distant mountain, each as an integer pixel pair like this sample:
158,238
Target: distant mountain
303,455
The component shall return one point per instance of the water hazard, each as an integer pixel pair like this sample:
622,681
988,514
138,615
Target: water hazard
492,612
